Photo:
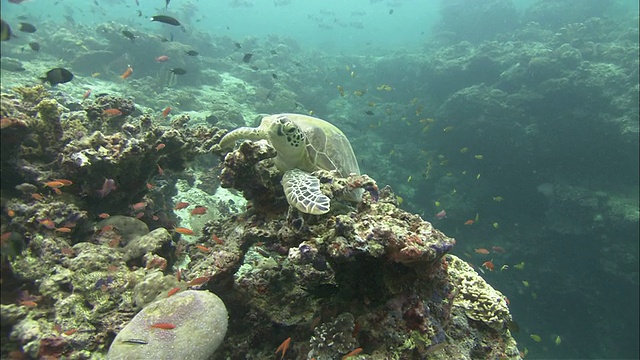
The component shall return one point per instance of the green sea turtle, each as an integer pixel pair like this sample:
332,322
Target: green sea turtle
304,144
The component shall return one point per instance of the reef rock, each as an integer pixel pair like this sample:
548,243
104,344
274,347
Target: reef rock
189,325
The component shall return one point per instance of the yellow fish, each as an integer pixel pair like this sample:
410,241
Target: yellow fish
359,93
353,74
496,225
444,162
448,128
449,174
536,337
310,112
498,198
426,129
504,267
384,87
558,340
519,266
341,90
477,217
371,104
479,157
478,177
525,283
419,110
437,203
409,178
95,74
400,200
464,150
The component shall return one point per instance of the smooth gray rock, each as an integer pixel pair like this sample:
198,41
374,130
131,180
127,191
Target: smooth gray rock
200,320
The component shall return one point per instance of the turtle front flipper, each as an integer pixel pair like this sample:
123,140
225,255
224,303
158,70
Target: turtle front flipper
303,192
248,133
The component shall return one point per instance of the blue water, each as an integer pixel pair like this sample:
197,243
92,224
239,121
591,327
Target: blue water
557,143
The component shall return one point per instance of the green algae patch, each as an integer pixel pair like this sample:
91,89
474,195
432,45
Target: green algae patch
198,324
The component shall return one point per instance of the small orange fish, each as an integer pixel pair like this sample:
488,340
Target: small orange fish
353,352
499,249
199,281
70,332
106,228
28,303
86,94
160,147
181,205
150,186
127,72
139,215
57,191
63,229
54,184
160,171
11,213
163,326
5,237
112,112
482,251
199,210
283,347
489,265
48,224
155,217
166,111
217,239
37,196
139,206
183,231
64,181
469,222
204,249
103,215
173,291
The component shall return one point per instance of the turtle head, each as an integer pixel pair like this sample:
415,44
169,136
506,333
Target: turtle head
284,134
287,138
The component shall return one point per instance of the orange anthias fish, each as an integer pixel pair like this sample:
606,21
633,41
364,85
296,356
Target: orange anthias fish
127,72
199,210
160,147
489,265
181,205
64,181
173,291
199,280
183,231
54,184
112,112
86,94
482,251
166,111
163,326
283,347
469,222
203,248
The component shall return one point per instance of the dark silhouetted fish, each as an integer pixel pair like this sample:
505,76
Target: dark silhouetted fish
26,27
178,71
165,19
34,46
192,53
57,76
237,44
5,31
166,6
128,34
247,57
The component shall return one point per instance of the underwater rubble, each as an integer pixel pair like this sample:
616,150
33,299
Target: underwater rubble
90,238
